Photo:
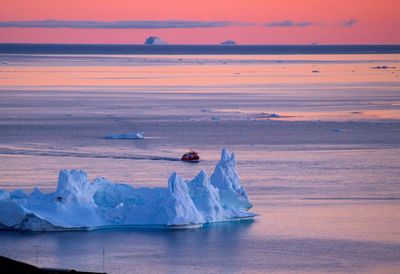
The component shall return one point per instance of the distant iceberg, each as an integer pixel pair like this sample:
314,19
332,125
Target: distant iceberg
80,204
154,40
228,42
266,115
131,135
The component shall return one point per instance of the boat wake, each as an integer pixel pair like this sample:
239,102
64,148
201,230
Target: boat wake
55,153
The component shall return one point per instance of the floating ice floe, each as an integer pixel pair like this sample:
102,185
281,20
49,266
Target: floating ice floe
266,115
383,67
154,40
228,42
131,135
80,204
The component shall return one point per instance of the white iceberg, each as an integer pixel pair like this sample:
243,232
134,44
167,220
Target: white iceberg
228,42
80,204
154,40
131,135
266,115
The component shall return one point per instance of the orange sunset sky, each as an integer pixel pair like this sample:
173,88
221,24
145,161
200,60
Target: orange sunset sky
201,21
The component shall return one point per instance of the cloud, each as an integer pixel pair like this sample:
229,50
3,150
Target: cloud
167,24
301,24
289,23
349,23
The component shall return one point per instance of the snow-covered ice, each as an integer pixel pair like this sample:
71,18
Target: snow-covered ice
131,135
80,204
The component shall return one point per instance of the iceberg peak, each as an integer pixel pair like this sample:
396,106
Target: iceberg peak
201,179
176,184
71,179
225,155
73,187
226,178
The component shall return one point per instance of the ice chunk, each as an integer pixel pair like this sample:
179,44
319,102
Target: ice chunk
80,204
132,135
266,115
228,42
383,67
154,40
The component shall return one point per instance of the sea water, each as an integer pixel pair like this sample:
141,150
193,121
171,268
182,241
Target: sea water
323,172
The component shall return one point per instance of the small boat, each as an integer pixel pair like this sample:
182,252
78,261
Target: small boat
191,156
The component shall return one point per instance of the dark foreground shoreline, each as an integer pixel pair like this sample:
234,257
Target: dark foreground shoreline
13,266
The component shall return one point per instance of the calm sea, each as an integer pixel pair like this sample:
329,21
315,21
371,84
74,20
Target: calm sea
322,171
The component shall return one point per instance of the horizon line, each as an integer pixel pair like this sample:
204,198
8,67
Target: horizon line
214,44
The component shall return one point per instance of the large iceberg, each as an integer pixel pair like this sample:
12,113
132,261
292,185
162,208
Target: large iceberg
154,40
228,43
80,204
130,135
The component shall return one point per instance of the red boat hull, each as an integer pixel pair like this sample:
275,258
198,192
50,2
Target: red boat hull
190,157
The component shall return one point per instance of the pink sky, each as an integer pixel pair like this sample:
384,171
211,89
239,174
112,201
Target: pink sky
321,21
